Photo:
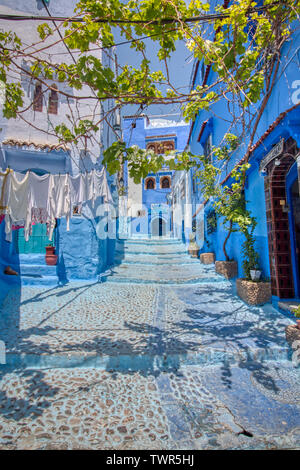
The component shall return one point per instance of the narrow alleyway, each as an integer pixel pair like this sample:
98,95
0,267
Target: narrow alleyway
158,354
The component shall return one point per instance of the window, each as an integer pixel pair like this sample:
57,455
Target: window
141,213
53,100
150,183
207,148
202,71
161,146
165,182
38,99
194,183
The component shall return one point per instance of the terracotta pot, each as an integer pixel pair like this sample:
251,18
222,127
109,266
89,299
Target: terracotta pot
193,248
51,258
228,269
193,252
253,293
50,250
207,258
10,272
292,335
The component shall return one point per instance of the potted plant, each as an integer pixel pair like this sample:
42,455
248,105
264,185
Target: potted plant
51,257
292,332
297,315
253,291
193,248
255,274
208,257
229,209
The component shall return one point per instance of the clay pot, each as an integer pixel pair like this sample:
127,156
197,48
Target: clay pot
228,269
193,248
193,252
253,293
51,258
10,272
207,258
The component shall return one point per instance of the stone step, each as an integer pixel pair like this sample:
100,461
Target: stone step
148,275
142,362
35,270
152,247
155,261
150,241
151,251
39,281
32,259
288,307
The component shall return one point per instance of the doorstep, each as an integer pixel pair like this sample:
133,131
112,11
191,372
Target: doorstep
288,306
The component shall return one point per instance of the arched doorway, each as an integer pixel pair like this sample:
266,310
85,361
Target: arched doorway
293,199
279,221
158,227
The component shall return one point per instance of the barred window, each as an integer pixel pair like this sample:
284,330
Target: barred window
207,148
150,183
38,99
53,100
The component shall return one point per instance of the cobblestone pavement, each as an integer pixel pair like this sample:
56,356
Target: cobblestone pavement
118,365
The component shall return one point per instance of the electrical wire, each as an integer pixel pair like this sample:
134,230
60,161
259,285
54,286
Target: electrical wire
163,21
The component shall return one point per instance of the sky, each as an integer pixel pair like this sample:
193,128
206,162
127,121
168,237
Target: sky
180,69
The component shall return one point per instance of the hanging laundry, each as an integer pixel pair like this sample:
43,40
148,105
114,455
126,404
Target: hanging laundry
59,200
18,210
4,191
31,199
38,202
39,216
100,187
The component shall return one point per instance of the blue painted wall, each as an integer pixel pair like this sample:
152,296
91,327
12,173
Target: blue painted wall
284,96
138,131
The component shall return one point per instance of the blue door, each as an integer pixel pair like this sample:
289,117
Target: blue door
37,242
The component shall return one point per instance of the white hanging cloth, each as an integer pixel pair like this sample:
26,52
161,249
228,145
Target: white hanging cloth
38,202
4,190
43,199
100,187
59,200
19,210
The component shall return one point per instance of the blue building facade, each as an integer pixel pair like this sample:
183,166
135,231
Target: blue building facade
82,254
149,209
272,185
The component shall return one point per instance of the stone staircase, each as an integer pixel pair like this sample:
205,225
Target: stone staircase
33,271
162,261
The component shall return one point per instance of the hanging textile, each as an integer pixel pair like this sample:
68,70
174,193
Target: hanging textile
4,190
18,210
38,202
29,199
59,200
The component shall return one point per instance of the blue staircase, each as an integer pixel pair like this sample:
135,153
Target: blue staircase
159,261
33,270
